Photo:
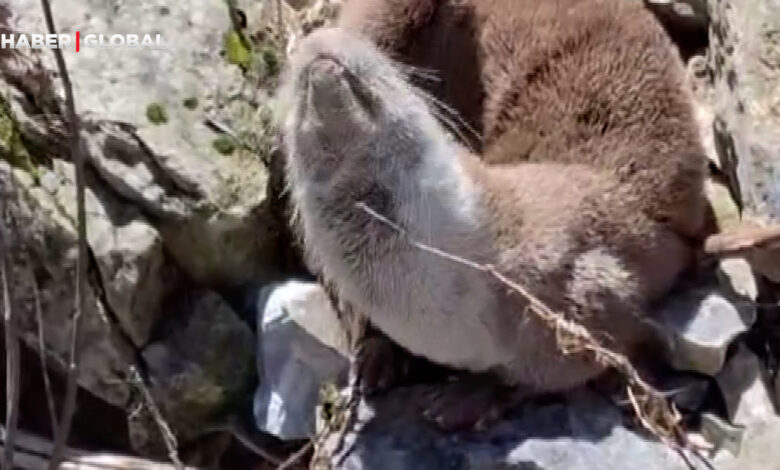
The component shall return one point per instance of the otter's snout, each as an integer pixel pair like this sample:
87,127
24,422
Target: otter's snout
328,88
335,96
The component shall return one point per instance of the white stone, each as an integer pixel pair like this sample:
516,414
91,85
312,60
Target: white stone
737,275
743,385
698,325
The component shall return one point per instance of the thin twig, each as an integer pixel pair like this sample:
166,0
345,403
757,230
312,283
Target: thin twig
350,406
168,437
246,441
69,406
652,409
11,345
280,19
42,355
297,456
253,447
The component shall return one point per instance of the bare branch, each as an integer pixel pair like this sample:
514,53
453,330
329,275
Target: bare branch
11,344
32,452
253,447
651,407
42,355
297,456
77,158
168,437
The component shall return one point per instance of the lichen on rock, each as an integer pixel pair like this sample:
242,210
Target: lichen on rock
12,147
156,113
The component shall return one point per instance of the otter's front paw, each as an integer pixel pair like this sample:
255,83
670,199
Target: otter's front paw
381,364
470,403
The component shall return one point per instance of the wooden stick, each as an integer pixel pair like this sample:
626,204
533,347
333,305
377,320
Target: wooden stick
743,239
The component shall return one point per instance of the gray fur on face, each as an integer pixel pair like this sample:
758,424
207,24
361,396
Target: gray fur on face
356,132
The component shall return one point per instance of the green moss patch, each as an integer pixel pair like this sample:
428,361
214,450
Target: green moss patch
156,113
12,148
237,51
224,145
190,103
271,60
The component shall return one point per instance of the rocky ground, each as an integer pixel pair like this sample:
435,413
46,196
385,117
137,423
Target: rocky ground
187,222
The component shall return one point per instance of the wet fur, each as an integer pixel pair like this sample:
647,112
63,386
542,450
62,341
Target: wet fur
577,234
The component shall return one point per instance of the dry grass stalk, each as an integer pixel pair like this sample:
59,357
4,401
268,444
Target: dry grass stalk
344,415
77,157
42,355
11,345
292,460
165,430
654,412
32,452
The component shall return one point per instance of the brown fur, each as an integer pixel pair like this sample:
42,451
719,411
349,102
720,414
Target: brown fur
592,82
593,179
580,246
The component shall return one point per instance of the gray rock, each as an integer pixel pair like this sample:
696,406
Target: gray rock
686,21
128,251
745,61
43,240
698,326
584,432
200,372
209,207
686,13
164,207
743,383
721,434
758,451
293,363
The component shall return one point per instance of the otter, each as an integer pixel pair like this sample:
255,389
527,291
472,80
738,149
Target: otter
371,169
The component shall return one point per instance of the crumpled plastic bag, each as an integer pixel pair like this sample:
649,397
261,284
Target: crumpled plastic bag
301,346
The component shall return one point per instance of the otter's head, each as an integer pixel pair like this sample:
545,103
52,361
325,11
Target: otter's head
350,111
